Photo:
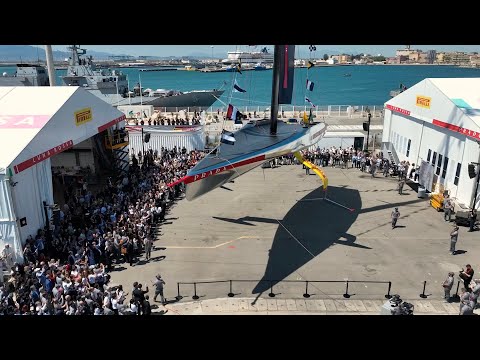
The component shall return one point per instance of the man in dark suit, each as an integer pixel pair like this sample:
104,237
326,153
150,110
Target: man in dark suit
139,296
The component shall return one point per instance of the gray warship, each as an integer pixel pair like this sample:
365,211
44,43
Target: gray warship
26,75
112,87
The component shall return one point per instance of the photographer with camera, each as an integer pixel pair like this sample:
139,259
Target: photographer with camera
467,276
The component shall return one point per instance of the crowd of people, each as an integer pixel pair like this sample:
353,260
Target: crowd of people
172,120
349,157
66,269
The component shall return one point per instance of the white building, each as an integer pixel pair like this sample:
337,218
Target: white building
37,126
437,121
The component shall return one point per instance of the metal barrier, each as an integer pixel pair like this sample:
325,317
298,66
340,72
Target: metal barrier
273,282
452,297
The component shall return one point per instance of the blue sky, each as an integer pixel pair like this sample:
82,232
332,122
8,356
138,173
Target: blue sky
221,50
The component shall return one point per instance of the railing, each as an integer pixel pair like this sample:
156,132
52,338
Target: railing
118,140
273,283
287,111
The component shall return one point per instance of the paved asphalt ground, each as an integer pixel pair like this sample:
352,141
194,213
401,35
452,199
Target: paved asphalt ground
257,229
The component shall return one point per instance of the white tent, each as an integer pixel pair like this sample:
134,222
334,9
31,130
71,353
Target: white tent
438,121
37,123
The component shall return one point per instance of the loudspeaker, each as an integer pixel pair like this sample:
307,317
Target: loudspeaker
471,171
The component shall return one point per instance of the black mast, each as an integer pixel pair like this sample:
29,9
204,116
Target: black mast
275,89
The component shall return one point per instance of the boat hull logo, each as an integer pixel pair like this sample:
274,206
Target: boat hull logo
83,116
423,101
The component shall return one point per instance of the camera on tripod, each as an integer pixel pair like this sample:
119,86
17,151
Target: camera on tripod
396,306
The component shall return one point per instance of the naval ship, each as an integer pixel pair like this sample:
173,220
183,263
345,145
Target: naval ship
112,87
26,75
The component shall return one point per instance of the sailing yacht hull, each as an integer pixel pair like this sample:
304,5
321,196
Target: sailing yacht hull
253,146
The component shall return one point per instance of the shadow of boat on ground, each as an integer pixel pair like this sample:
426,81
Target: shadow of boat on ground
309,228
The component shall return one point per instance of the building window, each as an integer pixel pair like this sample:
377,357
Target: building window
429,155
457,174
408,147
439,164
445,165
434,158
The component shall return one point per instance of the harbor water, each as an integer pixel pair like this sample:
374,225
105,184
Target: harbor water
354,85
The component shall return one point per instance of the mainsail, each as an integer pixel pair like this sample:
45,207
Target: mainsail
287,61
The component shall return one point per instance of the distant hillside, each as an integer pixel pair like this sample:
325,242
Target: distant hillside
32,53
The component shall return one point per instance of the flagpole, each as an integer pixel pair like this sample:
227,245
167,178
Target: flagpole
129,97
141,92
116,85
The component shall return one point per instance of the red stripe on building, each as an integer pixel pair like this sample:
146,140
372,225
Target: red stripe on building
43,156
458,129
200,176
442,124
446,125
397,109
134,128
111,123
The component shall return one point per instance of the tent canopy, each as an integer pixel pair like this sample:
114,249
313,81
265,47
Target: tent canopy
39,122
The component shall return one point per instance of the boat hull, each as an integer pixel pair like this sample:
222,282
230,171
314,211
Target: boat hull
194,101
253,146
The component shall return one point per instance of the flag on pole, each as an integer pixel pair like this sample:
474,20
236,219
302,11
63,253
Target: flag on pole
310,85
232,112
238,88
310,64
227,138
308,100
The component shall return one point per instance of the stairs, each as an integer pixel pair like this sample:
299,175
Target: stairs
121,161
389,149
117,142
391,158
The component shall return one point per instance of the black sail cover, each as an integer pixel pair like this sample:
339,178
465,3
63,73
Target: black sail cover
287,60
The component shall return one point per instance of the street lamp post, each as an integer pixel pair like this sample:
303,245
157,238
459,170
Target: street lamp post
369,115
143,146
212,52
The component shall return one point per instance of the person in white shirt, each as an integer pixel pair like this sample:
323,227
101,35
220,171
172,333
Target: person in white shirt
7,256
133,307
114,302
106,300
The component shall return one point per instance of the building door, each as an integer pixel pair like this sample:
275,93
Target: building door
358,143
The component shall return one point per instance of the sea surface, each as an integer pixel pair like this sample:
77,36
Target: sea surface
366,85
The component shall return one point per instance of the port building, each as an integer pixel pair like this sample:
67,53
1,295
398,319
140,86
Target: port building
436,124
